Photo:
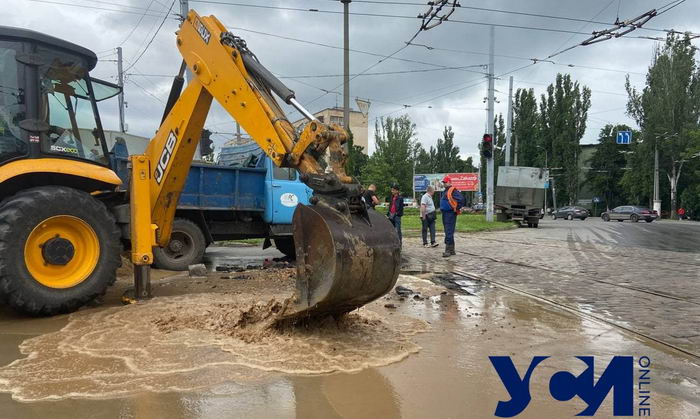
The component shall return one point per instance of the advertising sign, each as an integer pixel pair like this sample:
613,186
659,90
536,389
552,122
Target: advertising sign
461,181
465,181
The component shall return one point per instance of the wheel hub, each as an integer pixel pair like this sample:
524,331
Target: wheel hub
176,246
58,251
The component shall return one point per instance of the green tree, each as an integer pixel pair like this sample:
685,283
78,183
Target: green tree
392,161
447,158
443,157
668,108
526,129
563,114
607,166
357,159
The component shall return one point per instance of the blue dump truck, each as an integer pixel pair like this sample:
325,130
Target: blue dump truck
244,196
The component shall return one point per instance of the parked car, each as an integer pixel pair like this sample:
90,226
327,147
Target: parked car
630,212
570,213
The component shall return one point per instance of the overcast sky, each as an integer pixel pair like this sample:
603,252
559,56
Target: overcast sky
438,97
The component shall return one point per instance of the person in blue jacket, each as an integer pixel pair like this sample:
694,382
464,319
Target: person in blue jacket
451,204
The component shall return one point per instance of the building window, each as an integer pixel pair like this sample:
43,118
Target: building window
320,118
337,120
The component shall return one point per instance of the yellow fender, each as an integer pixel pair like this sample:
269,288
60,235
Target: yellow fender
59,166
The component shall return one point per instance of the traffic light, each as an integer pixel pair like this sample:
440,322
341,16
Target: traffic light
206,145
487,146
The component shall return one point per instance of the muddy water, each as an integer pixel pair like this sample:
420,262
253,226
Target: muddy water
201,364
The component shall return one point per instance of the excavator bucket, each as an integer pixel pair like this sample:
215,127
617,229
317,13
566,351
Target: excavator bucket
344,260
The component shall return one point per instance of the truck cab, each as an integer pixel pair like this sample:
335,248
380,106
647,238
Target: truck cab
284,191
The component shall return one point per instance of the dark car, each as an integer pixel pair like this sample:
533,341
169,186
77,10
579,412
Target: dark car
570,213
630,212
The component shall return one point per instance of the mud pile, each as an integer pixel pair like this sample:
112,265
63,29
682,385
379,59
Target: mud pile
194,341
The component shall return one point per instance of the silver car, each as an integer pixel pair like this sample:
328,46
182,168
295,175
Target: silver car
630,212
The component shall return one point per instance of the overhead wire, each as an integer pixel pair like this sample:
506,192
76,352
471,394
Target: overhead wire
131,10
137,23
380,15
133,63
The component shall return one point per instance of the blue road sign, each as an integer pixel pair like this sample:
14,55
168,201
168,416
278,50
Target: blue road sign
596,199
624,137
420,183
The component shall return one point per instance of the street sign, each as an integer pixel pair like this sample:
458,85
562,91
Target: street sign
461,181
624,137
596,199
420,183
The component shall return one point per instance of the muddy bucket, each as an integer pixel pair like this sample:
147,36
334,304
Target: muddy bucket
344,260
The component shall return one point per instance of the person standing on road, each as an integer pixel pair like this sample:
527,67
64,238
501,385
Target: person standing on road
396,209
450,205
370,197
428,217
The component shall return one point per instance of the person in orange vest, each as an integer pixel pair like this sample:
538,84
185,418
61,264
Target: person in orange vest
451,204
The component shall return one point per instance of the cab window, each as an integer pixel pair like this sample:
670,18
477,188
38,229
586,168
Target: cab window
284,173
12,103
66,106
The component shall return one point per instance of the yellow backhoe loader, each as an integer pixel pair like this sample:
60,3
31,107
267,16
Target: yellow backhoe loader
65,217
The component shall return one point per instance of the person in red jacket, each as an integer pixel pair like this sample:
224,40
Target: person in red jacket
396,209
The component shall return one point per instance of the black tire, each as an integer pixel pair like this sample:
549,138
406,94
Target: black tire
186,247
20,215
570,217
554,216
605,217
286,246
634,218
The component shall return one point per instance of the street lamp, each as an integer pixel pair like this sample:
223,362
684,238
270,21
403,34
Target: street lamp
657,198
546,165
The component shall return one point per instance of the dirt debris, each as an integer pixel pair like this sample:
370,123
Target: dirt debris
179,342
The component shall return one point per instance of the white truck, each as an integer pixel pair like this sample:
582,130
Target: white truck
520,194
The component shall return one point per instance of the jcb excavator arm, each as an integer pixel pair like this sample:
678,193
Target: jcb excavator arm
346,257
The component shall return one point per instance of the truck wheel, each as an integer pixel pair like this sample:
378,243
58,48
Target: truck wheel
59,249
286,246
186,247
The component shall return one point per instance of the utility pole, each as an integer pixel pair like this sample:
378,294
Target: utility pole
657,199
120,82
346,64
490,129
509,120
184,8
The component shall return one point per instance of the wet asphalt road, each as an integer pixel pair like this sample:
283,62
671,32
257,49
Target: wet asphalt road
676,236
608,270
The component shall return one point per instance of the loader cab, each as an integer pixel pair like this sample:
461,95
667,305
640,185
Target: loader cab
48,101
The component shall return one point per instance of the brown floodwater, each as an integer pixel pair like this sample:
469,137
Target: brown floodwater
209,348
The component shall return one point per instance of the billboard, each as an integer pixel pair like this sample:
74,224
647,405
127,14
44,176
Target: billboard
461,181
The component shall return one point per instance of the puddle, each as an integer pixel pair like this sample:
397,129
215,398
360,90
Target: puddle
182,343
